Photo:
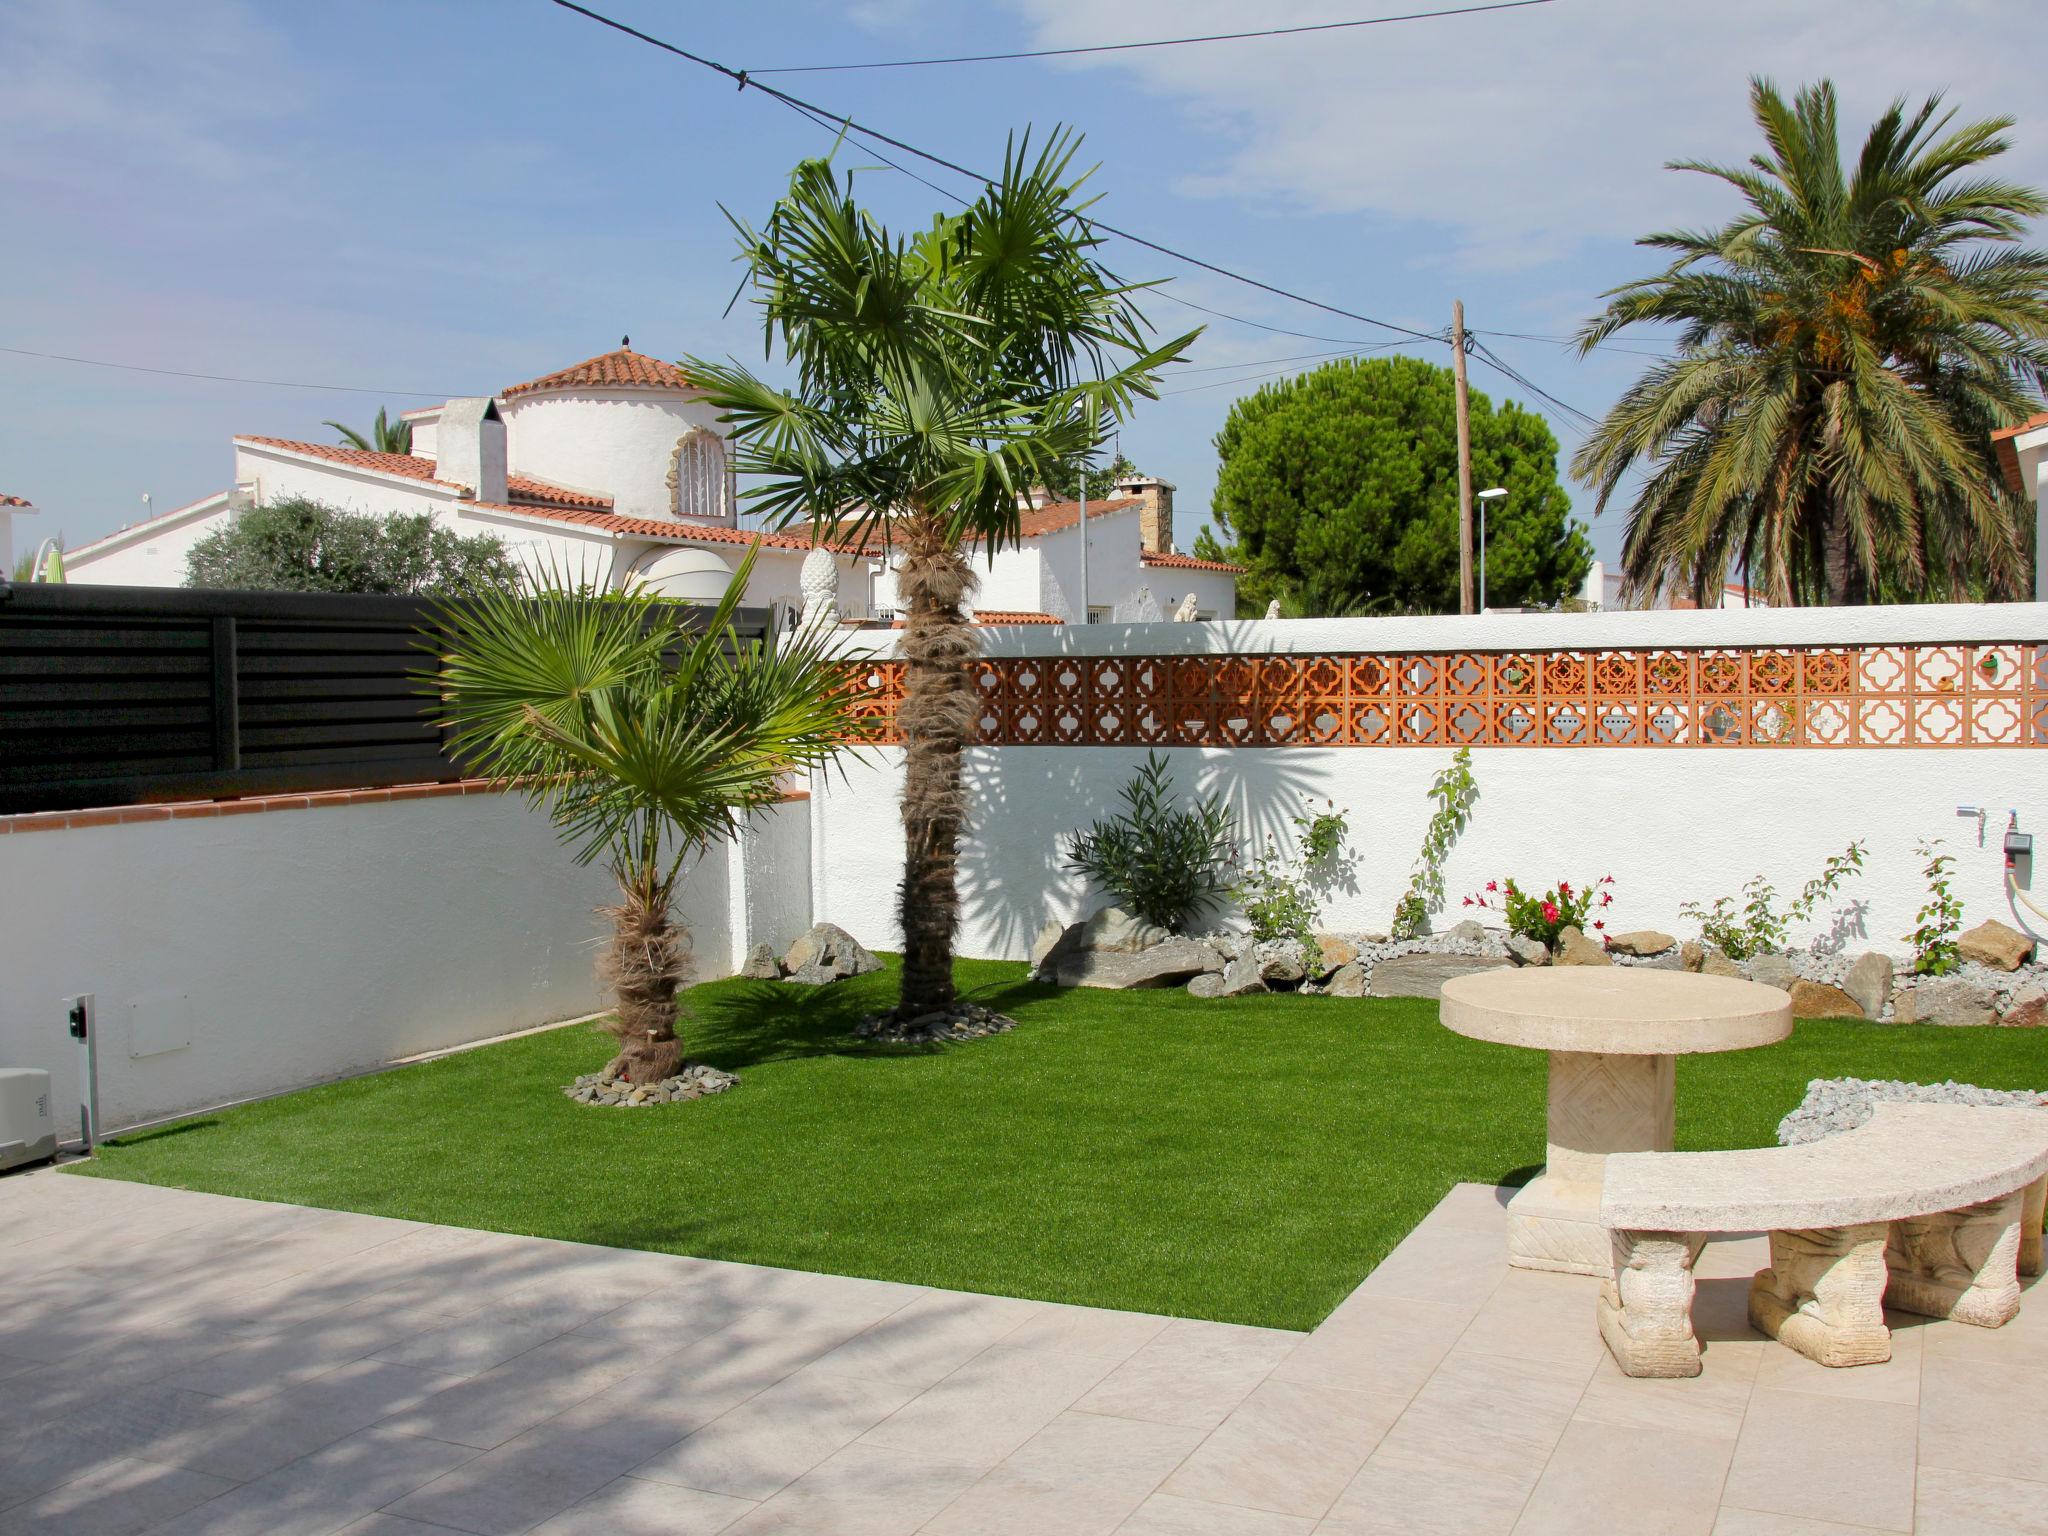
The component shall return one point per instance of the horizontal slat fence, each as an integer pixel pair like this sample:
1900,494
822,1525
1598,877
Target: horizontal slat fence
124,695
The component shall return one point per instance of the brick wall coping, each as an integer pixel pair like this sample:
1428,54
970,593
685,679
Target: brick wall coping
186,810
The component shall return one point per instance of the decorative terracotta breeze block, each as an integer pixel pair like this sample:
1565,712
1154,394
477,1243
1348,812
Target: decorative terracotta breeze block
1855,696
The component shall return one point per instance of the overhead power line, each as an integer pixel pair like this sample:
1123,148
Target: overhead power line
222,378
840,119
1164,42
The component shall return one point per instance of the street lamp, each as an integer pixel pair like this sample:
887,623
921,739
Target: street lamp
1485,496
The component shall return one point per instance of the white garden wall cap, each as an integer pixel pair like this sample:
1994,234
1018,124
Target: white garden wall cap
1616,1011
1907,1160
1679,629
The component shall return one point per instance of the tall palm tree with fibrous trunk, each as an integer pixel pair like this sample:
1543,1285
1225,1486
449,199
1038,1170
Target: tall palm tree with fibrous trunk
1847,344
936,376
385,436
646,736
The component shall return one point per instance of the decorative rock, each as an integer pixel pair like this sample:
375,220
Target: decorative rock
1049,937
1644,942
1281,960
1835,1104
761,964
693,1082
1869,981
1471,930
962,1021
1714,963
1524,950
1574,948
1208,984
1346,981
1946,1000
2028,1008
1163,965
1240,977
1423,974
1773,970
1818,1000
827,953
1334,953
1991,943
1692,954
1120,932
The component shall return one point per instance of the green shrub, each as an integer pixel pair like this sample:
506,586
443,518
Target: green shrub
1161,861
1278,894
1757,927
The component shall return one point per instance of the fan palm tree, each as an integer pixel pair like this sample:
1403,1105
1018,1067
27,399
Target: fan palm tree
645,739
1847,345
386,436
936,376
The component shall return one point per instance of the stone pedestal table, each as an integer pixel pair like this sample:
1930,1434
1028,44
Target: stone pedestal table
1613,1034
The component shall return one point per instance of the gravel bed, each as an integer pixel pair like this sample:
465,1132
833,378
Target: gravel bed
964,1021
1835,1104
693,1082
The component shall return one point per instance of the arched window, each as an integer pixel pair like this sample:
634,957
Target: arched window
699,479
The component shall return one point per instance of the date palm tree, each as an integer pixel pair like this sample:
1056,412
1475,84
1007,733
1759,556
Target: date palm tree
386,436
646,738
935,376
1847,344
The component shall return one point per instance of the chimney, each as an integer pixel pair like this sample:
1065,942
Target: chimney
1032,499
1155,516
470,447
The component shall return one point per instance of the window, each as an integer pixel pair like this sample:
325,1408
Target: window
1099,615
699,479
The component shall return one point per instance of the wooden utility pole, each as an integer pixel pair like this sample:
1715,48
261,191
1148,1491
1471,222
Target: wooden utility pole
1465,604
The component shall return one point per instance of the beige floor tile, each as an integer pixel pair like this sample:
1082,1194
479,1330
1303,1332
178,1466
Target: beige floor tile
768,1442
488,1409
683,1313
1401,1494
1376,1344
1082,1475
1473,1207
630,1507
1192,1374
113,1499
1533,1315
1451,1266
1659,1483
1826,1458
929,1337
1732,1258
1755,1522
1952,1503
992,1404
325,1491
1977,1416
1896,1380
1710,1404
512,1489
1084,1331
1165,1515
1289,1447
2023,1341
1483,1414
865,1490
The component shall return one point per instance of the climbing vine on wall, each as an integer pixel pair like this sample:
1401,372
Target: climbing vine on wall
1454,790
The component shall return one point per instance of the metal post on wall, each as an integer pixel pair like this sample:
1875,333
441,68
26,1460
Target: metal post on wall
78,1017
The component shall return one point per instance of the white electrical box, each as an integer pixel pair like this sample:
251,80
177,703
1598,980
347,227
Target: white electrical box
28,1131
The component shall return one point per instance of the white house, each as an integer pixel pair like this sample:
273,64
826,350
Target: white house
615,470
12,507
2023,455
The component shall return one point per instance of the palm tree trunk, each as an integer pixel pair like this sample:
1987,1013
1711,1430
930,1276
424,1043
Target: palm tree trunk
938,646
1843,572
645,965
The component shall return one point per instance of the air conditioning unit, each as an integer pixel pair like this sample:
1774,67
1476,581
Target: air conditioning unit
28,1133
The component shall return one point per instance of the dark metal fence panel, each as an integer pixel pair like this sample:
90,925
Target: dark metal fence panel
121,695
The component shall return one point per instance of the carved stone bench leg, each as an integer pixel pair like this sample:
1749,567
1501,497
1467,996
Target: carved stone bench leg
1824,1294
1646,1304
1960,1264
2032,1210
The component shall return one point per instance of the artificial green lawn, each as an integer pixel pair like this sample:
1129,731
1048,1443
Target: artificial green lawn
1248,1160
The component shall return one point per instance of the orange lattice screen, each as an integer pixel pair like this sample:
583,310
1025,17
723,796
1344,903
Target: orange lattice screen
1839,696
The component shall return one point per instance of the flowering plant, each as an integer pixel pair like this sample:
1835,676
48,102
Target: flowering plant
1544,917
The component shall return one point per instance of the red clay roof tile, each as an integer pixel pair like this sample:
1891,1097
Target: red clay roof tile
611,370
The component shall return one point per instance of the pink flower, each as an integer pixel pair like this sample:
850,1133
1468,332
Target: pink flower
1564,887
1598,924
1468,901
1493,885
1606,898
1550,911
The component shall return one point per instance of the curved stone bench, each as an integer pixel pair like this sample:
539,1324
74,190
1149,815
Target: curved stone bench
1930,1208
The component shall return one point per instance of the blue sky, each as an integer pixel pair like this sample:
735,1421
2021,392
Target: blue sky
447,198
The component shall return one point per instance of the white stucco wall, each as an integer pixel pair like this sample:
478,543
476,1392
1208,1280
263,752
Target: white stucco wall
1671,825
1215,591
150,554
615,443
770,881
295,945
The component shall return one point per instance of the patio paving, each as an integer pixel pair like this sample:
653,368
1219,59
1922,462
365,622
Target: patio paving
186,1363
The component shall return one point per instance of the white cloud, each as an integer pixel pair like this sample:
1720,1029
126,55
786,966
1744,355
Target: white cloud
1532,133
